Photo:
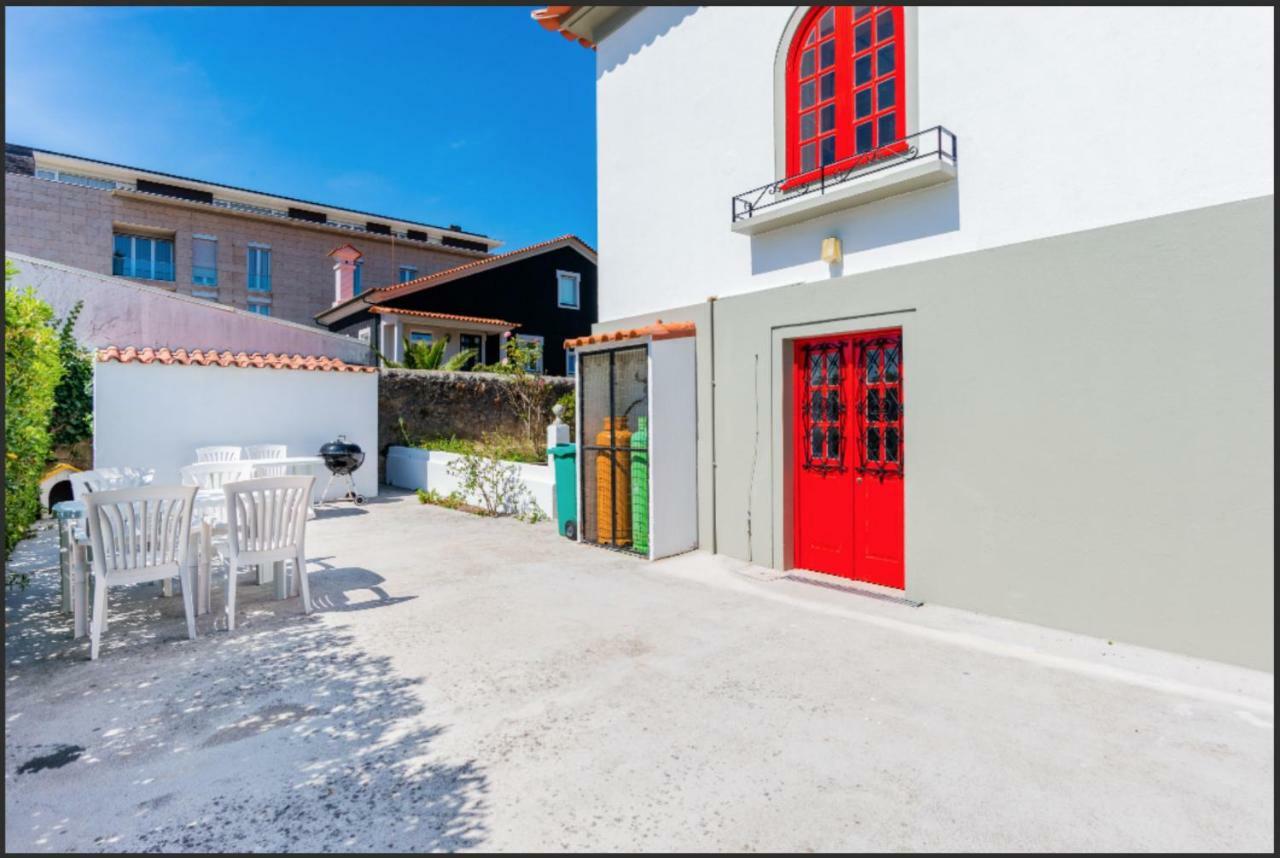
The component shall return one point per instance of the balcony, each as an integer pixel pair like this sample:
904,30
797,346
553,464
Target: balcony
918,161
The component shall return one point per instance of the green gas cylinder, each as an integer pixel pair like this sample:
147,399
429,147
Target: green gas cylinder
640,486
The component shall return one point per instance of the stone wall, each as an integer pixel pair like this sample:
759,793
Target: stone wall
466,404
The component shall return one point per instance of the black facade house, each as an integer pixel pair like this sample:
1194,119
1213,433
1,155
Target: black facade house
543,293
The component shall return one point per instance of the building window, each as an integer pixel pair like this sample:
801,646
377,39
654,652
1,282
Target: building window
421,337
846,89
204,260
260,309
570,362
407,273
567,283
357,284
533,341
259,268
143,257
472,341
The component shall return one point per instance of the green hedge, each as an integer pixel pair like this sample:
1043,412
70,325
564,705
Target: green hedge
32,371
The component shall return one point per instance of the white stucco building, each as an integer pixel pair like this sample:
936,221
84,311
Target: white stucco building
983,296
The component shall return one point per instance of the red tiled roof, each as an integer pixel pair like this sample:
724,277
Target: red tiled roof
659,330
480,320
553,18
344,247
199,357
387,291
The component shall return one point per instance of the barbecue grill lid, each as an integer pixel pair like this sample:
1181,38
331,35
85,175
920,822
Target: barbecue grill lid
341,447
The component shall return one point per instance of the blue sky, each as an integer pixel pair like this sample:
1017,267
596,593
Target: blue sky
473,116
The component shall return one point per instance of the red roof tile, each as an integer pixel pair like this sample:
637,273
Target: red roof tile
553,18
659,330
199,357
480,320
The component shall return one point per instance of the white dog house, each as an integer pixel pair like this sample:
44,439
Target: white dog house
637,439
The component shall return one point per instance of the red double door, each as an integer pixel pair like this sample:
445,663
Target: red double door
849,453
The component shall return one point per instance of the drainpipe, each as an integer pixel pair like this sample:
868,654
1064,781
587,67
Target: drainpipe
711,306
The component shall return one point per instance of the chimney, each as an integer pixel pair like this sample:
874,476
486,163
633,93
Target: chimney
344,272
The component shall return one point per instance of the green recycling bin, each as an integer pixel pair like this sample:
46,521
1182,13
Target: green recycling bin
565,456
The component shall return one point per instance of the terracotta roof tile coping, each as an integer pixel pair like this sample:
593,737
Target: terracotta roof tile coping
200,357
553,18
659,330
480,320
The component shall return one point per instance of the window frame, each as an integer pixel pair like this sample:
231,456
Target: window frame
570,362
357,277
263,251
132,257
845,152
200,281
577,290
413,273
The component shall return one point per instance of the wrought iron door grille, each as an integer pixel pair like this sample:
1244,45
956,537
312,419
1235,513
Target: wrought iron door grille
822,417
879,410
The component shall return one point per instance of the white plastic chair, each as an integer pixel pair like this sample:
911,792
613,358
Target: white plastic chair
109,479
139,534
217,454
210,476
267,522
267,451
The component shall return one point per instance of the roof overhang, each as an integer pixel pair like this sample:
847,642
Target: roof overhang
423,318
367,300
586,25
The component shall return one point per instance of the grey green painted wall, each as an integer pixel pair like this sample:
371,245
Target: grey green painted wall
1089,426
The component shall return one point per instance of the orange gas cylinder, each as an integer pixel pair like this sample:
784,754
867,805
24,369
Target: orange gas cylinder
613,524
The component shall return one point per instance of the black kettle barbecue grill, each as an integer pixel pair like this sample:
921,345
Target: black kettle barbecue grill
342,457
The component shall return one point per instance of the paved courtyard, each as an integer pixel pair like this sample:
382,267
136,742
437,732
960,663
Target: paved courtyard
471,683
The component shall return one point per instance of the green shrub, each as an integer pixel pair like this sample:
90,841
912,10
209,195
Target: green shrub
495,446
453,500
72,419
31,375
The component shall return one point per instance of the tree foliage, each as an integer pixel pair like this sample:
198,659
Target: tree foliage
32,372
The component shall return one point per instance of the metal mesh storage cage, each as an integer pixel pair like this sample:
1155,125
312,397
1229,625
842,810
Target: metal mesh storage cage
637,442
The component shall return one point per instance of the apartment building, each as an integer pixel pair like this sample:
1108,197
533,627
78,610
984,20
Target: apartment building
253,250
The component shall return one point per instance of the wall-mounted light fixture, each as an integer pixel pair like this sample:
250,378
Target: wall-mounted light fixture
831,250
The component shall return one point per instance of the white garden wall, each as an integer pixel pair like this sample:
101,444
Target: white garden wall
154,416
413,468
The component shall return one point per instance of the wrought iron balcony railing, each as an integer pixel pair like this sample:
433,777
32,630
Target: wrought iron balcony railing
935,143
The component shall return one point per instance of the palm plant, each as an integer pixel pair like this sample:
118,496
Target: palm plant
431,356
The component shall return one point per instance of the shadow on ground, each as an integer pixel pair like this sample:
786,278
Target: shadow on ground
282,735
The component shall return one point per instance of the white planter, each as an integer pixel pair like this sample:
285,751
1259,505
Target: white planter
413,468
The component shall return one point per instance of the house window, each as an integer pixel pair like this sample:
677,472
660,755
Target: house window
570,362
407,273
260,309
534,342
567,283
143,257
357,284
204,260
846,89
472,341
421,337
259,268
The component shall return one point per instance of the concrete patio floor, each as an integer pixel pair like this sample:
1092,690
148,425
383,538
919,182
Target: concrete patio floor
471,683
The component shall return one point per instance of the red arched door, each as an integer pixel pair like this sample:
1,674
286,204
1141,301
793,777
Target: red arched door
849,453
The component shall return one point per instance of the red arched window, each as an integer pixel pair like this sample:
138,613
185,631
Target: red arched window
846,89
